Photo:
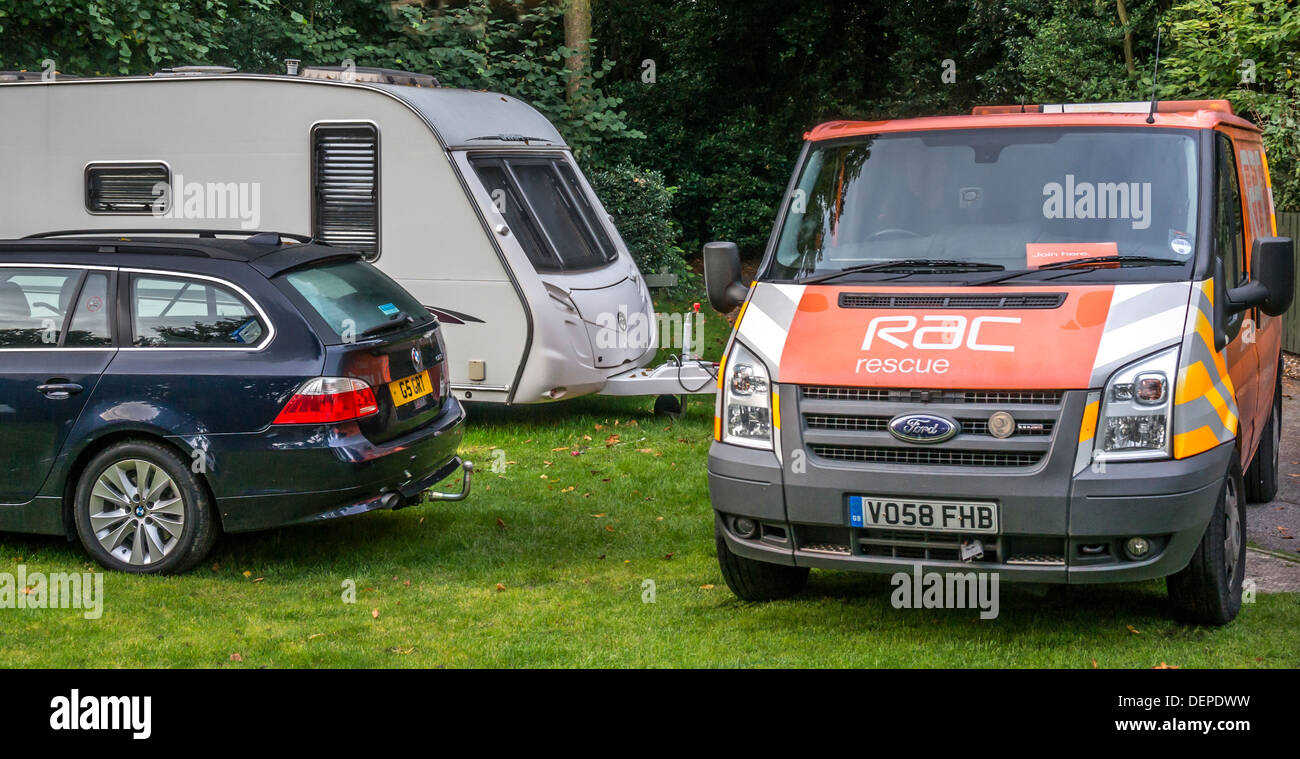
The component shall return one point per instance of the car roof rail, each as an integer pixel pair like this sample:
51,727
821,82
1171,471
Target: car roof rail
256,237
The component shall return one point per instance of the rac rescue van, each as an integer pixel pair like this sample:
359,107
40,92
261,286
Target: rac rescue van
1041,341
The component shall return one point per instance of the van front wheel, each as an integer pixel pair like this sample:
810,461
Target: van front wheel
1208,590
757,580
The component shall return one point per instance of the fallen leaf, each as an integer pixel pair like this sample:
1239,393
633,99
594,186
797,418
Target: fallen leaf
501,586
501,522
259,579
706,587
609,528
247,573
598,516
236,657
668,556
561,448
1162,665
1094,663
1133,630
611,441
216,567
374,613
314,636
645,450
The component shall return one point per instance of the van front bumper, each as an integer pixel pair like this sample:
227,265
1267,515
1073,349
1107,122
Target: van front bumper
1054,526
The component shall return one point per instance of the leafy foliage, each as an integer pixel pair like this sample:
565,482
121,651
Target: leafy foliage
641,205
1213,41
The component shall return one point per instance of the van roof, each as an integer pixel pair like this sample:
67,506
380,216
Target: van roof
1185,114
461,118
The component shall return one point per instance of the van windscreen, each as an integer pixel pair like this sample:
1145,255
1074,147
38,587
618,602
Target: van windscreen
547,210
1014,199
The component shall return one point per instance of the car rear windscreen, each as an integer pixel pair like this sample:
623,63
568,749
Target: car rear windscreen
354,298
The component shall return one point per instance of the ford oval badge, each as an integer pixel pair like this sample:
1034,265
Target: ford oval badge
923,428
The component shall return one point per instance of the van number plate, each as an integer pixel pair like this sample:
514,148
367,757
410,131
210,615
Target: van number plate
909,514
408,389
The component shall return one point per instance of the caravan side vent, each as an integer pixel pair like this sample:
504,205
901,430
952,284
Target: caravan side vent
125,188
345,183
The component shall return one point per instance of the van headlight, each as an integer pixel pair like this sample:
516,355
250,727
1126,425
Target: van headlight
1137,410
746,400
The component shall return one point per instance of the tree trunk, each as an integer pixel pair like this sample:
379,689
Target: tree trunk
1128,38
577,37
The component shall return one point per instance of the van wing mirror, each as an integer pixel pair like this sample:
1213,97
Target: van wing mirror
1272,278
722,276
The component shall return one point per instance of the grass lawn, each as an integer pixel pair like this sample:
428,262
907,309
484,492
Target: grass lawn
544,566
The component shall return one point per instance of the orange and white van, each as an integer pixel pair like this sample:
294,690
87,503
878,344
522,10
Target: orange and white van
1041,341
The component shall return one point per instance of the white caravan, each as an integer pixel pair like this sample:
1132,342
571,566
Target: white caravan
471,200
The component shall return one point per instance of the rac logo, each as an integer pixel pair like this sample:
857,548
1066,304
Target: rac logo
942,333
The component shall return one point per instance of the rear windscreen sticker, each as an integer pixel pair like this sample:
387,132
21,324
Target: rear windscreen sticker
390,310
1038,254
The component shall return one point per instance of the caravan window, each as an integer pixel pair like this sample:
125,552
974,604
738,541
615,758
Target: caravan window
548,211
127,188
345,186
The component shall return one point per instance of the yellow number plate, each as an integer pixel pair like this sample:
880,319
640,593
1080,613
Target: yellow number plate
408,389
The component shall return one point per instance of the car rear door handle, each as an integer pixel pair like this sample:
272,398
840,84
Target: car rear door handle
59,390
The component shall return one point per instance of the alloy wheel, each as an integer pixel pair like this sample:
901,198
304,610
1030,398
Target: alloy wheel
137,512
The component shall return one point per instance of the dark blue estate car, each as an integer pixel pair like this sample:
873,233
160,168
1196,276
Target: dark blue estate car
155,391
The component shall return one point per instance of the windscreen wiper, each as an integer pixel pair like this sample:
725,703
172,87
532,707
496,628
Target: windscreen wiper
908,266
1084,264
396,321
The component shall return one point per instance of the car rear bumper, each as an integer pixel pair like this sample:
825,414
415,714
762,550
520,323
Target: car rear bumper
295,474
1071,532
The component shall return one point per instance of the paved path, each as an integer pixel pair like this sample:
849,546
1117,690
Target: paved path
1275,526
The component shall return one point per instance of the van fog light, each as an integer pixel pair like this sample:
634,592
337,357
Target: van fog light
745,527
1137,548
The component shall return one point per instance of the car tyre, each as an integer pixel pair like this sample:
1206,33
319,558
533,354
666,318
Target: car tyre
140,509
754,580
1208,590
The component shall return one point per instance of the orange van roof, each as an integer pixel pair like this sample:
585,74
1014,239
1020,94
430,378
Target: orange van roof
1186,114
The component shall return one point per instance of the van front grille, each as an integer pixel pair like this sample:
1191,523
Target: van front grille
1035,427
931,546
926,456
1019,397
1008,300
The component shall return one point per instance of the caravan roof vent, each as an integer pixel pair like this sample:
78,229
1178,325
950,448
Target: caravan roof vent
196,70
369,75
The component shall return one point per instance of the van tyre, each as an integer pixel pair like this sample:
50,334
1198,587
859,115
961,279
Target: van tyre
1208,590
1261,476
754,580
139,509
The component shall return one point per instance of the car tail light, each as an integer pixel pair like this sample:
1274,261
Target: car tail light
325,400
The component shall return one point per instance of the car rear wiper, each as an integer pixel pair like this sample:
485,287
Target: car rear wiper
396,321
907,265
1084,264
